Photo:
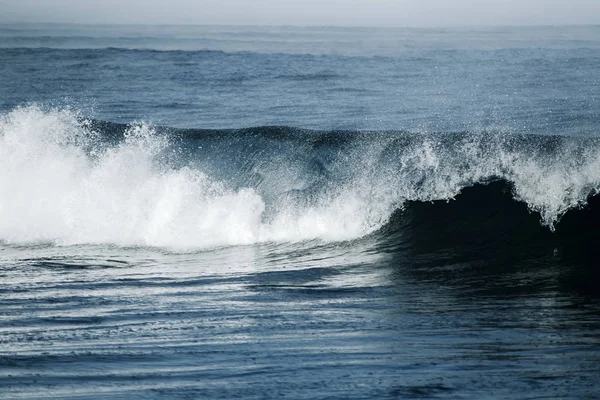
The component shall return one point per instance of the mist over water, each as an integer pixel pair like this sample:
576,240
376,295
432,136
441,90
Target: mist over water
358,13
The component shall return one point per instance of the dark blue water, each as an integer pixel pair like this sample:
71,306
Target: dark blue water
224,212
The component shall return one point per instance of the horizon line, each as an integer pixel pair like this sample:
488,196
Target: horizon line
424,27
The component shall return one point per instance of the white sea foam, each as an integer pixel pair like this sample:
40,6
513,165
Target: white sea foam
52,189
57,186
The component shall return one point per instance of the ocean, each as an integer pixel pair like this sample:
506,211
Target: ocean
192,212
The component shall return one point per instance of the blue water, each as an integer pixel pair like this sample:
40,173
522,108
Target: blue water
278,212
542,80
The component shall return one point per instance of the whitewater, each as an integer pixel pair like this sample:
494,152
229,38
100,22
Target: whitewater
64,183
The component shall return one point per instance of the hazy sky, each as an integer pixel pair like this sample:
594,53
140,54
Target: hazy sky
306,12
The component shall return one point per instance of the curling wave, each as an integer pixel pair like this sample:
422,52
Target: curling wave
68,180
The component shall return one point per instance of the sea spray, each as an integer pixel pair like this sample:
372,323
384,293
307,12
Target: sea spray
53,190
64,182
60,185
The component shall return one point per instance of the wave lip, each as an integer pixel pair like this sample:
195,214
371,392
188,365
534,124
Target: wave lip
68,180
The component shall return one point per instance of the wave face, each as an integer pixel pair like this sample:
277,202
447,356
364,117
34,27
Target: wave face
68,180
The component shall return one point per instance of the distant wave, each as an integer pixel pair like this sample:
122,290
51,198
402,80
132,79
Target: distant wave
107,49
66,179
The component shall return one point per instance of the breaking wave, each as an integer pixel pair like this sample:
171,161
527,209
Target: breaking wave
68,180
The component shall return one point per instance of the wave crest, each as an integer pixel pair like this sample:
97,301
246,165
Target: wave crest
68,180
